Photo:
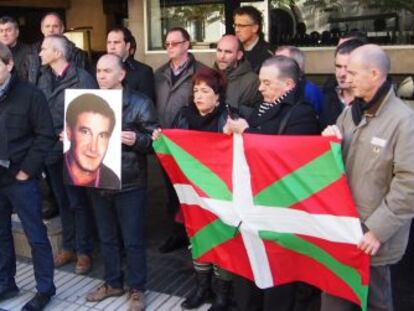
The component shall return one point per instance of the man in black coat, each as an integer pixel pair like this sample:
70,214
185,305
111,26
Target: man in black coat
26,136
282,113
140,77
57,76
125,208
9,34
339,95
248,23
52,24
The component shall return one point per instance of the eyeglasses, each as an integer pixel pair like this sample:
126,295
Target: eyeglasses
242,25
172,43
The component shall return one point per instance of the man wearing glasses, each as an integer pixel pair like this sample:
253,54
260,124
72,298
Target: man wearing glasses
173,90
248,27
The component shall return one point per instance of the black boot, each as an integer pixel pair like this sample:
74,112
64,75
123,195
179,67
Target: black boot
201,294
222,299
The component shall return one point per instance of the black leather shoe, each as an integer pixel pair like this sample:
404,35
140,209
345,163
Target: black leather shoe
37,303
9,293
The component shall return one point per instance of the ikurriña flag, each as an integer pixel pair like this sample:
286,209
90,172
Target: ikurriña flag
273,209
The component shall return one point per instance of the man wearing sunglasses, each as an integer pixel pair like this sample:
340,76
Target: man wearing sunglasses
248,29
173,89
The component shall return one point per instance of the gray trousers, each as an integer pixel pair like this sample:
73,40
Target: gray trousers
379,295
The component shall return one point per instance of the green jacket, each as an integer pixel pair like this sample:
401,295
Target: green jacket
242,86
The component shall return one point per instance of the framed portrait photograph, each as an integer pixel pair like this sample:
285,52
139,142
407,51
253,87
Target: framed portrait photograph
92,138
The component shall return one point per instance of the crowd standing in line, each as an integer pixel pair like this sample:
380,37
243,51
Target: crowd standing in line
246,90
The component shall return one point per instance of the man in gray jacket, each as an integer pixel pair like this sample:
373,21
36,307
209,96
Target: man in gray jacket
58,75
173,90
243,83
378,150
173,84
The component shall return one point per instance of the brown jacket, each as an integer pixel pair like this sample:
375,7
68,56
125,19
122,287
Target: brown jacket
171,98
379,160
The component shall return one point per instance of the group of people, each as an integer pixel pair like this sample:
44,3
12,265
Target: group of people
250,88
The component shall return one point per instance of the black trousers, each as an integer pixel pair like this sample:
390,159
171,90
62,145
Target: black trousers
288,297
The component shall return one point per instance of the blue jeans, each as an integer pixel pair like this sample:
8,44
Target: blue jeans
125,209
26,199
75,213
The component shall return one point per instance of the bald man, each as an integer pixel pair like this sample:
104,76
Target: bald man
378,150
125,208
242,87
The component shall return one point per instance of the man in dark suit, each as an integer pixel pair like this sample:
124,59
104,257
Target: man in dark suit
26,136
9,35
139,77
248,23
283,112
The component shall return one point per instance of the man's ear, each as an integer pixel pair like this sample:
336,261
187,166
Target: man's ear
256,29
376,74
290,83
10,66
122,75
68,132
239,55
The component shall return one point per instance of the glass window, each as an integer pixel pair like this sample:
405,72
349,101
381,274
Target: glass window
322,22
204,22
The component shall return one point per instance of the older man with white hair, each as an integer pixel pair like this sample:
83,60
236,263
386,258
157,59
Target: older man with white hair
57,76
311,92
378,150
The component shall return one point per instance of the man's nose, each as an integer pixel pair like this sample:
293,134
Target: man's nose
93,144
348,78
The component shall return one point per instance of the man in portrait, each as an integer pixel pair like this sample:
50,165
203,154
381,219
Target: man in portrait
89,125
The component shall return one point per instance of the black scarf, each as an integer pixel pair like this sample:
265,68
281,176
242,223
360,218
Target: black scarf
359,106
208,123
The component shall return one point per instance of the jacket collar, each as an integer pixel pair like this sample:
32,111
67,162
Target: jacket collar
390,96
130,64
242,68
166,72
69,79
289,100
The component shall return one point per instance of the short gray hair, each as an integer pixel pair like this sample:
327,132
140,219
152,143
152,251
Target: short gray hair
294,53
288,68
59,43
373,56
8,19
